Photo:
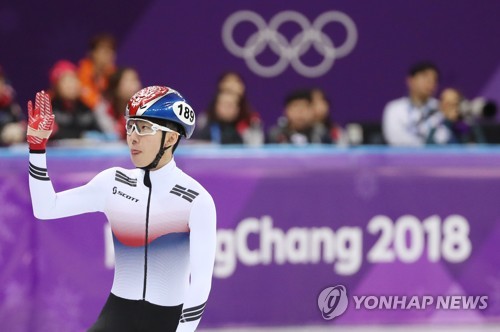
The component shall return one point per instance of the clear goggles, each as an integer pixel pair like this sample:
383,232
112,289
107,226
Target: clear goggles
144,127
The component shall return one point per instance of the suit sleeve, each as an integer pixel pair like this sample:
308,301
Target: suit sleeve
47,204
202,224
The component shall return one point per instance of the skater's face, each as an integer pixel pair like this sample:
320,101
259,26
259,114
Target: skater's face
143,148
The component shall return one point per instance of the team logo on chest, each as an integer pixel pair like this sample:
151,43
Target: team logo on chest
188,194
124,195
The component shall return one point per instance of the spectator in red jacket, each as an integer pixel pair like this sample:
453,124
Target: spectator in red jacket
74,119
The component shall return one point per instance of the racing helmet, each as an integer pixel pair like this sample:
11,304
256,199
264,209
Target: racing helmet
164,103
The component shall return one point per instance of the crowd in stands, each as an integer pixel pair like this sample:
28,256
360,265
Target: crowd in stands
89,100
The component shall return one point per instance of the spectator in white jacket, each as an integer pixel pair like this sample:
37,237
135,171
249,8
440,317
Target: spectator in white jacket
407,121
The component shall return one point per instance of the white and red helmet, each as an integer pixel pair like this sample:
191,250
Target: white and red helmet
161,102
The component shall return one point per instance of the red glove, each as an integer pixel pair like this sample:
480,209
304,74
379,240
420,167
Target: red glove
40,122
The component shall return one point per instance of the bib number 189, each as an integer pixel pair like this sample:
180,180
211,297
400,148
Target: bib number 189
184,113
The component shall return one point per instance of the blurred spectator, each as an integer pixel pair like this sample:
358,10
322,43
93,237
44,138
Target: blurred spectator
95,69
251,129
73,118
324,129
454,128
229,120
297,124
233,82
110,112
407,121
12,126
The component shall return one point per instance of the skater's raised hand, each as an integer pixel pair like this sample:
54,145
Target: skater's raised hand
40,121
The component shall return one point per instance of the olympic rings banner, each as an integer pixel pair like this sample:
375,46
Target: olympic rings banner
311,236
269,35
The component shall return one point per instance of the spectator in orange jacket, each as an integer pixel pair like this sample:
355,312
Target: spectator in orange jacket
94,71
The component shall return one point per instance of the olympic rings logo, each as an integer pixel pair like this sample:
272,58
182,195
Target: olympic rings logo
289,52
